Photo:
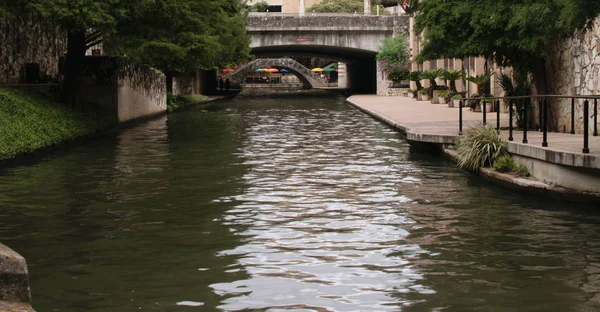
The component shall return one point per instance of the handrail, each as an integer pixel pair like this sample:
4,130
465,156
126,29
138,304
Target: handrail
544,105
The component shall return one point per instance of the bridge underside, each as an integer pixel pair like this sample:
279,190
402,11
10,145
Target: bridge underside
361,67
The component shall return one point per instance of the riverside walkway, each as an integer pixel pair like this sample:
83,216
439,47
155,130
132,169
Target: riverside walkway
438,123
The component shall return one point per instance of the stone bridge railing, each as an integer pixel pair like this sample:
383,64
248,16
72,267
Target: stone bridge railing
307,77
349,22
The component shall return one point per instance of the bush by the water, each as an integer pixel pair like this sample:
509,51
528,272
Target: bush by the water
30,121
176,101
195,98
522,171
504,164
479,147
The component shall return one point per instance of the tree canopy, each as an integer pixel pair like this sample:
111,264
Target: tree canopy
342,6
512,32
182,35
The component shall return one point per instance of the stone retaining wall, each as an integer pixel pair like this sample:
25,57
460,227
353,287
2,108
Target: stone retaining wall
123,88
25,40
574,69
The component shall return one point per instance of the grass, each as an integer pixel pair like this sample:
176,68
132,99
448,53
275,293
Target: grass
30,121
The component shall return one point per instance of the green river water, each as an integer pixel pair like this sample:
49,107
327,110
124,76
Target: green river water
286,204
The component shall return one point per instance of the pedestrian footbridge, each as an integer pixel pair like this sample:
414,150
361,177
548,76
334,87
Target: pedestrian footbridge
308,78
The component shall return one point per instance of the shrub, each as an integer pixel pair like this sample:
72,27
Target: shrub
504,164
457,97
194,98
480,146
443,93
522,171
174,102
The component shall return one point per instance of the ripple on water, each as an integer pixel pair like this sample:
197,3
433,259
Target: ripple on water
325,222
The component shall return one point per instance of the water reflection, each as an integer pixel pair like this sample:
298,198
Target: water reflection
325,221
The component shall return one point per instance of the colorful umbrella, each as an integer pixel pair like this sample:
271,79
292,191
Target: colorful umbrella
260,70
316,70
329,69
228,70
273,70
283,70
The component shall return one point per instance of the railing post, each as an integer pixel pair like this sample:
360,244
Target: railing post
498,116
595,117
586,126
510,121
525,125
460,117
573,116
484,112
545,122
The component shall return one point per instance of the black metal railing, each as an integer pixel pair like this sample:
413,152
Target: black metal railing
544,106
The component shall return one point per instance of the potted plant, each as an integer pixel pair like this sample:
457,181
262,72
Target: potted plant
489,103
442,96
455,101
432,75
408,92
424,92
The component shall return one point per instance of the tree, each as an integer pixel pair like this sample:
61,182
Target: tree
172,35
393,57
342,6
84,21
262,6
512,32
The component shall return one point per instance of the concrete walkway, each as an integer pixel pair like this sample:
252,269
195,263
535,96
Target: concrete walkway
438,123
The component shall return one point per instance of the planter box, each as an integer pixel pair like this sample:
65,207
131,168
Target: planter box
425,97
442,100
454,103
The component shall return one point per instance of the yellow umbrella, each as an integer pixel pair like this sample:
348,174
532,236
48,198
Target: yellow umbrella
316,70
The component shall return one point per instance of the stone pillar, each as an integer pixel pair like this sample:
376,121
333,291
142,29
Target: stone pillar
301,8
367,7
342,78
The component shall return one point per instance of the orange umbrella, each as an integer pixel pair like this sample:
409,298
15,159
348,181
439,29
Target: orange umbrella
273,70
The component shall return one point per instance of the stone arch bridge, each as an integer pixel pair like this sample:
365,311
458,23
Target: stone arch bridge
348,38
308,78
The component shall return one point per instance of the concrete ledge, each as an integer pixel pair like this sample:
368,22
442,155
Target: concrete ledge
566,158
14,278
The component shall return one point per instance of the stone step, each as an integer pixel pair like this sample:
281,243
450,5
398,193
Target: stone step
15,307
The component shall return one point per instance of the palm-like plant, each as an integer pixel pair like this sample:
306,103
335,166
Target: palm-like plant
452,76
518,85
432,75
481,80
416,77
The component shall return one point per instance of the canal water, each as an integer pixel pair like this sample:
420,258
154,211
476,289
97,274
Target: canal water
286,204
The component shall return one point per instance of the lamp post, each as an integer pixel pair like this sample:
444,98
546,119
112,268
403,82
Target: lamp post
378,4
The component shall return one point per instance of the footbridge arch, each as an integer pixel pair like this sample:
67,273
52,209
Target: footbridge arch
308,78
